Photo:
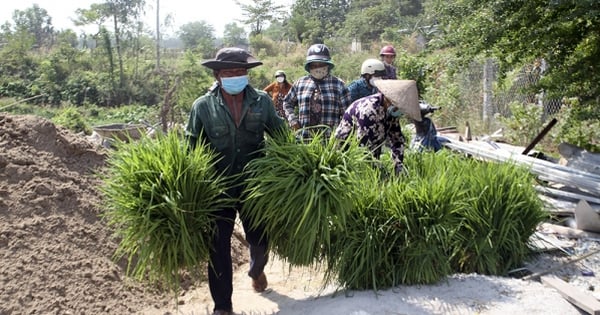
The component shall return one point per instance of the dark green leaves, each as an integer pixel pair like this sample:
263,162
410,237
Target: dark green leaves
160,200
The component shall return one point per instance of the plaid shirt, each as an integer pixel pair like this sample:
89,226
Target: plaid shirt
334,97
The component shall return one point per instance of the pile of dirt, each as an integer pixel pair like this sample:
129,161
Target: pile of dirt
55,250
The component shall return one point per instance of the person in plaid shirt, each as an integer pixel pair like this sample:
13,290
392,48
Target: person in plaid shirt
319,98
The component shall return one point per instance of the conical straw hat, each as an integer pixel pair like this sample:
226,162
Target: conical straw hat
403,94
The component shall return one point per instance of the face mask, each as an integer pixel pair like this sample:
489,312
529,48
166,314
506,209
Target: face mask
280,79
373,79
234,85
394,111
319,73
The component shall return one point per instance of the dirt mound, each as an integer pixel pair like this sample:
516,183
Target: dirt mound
55,251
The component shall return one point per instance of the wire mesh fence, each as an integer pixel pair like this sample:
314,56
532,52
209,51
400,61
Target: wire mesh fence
480,87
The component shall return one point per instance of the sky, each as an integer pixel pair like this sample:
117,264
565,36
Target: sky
214,12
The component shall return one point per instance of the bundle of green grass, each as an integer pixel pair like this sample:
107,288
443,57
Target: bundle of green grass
447,214
303,193
160,198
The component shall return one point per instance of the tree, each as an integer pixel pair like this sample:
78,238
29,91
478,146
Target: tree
36,22
234,35
122,13
317,20
563,33
199,36
259,14
366,20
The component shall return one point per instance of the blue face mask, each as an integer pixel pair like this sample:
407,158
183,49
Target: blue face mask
394,111
234,85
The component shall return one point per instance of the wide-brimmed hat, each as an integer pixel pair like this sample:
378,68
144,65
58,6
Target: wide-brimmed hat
403,94
232,58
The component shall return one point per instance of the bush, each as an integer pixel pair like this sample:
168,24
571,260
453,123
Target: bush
70,118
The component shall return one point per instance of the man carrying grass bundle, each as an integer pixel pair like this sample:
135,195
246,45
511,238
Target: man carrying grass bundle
374,118
233,118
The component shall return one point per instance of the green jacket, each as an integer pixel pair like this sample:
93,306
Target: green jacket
211,121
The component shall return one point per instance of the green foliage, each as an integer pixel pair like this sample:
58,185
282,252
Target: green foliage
195,81
314,21
524,124
71,118
160,200
579,124
435,220
259,13
411,67
129,114
303,194
502,213
198,36
263,46
234,35
401,229
516,32
35,21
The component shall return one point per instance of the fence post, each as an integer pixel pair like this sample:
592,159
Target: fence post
488,77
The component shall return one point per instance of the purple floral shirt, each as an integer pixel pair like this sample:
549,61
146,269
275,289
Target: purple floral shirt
373,126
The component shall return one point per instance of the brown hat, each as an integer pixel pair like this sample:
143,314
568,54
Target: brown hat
232,58
403,94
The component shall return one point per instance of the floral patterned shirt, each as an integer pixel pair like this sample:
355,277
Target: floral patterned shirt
373,126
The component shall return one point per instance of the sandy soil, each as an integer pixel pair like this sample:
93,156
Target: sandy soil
56,252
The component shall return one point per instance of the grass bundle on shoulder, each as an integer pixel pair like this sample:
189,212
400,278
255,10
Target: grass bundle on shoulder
302,193
160,198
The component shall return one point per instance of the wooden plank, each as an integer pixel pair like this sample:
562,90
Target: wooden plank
558,206
569,232
572,294
566,194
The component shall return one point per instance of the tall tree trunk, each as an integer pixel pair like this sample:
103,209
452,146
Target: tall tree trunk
118,44
157,35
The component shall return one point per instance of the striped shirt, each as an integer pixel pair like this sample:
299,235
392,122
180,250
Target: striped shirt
330,92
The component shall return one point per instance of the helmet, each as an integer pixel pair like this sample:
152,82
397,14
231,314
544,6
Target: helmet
318,53
387,50
374,67
279,73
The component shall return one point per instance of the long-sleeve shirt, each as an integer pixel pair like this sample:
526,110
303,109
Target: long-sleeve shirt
360,88
212,121
373,126
278,91
313,102
390,72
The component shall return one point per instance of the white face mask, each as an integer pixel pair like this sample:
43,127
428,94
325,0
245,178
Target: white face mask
373,79
280,79
319,73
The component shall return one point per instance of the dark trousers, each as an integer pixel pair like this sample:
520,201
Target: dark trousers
220,270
